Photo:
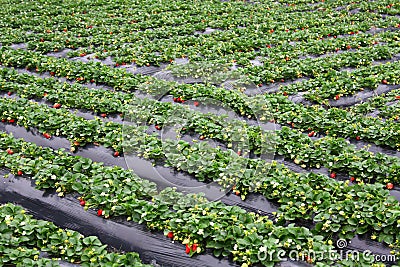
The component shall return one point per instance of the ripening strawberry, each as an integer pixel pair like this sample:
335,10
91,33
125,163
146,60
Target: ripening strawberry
158,127
47,136
389,186
196,103
103,115
92,80
397,97
9,93
10,152
201,137
358,138
116,154
170,235
239,152
52,73
99,212
384,81
57,105
332,175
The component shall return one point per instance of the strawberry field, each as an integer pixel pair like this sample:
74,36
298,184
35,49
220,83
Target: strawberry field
200,133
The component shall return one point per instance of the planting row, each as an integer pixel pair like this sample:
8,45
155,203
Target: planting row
28,242
273,181
335,84
66,30
385,105
189,219
285,65
336,122
333,153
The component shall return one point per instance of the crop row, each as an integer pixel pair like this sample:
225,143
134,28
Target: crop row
335,84
76,27
146,50
273,181
340,157
24,239
190,219
334,122
386,105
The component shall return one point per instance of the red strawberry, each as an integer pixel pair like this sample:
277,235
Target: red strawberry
196,103
19,173
179,100
187,249
82,202
76,143
175,99
384,81
103,115
358,138
45,94
352,179
311,134
11,121
99,212
282,80
3,120
348,46
285,93
116,65
337,97
158,127
92,80
10,152
170,235
332,175
52,73
194,247
260,84
116,154
57,105
47,136
389,186
397,97
201,137
9,93
239,152
82,54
